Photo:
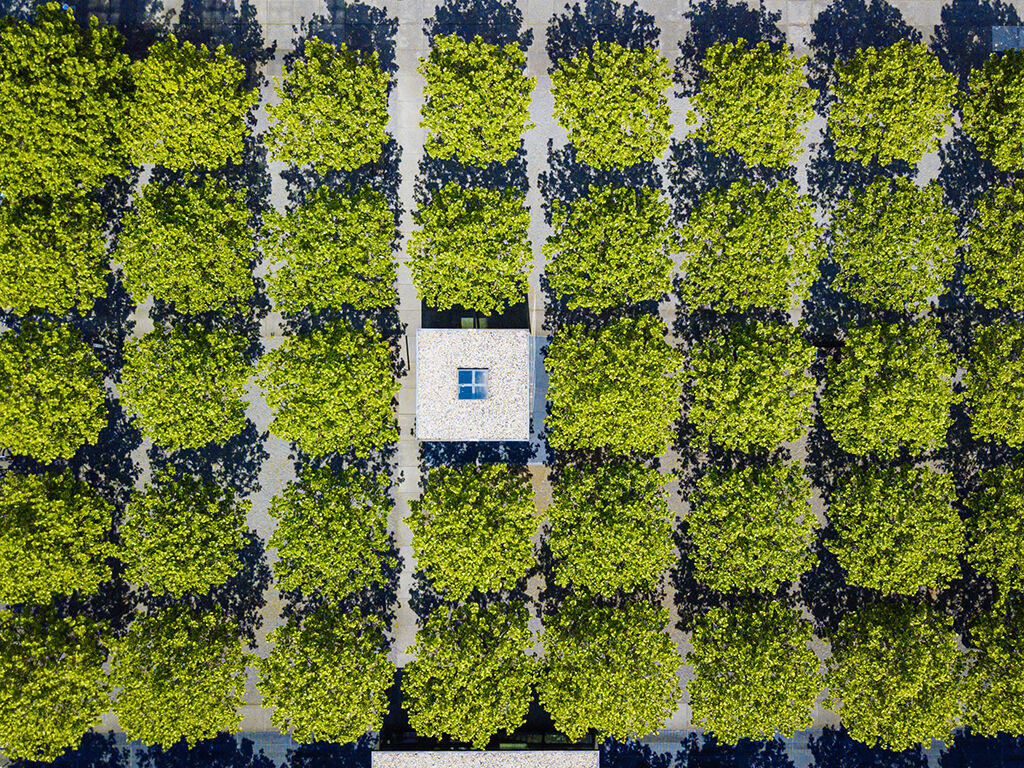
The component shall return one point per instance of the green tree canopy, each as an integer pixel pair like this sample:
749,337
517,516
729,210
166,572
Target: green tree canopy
616,388
995,530
334,249
182,534
754,673
476,100
333,109
610,528
472,528
891,104
332,390
993,111
473,673
611,100
749,245
471,248
611,247
753,100
995,677
327,676
752,527
889,388
994,255
994,383
52,400
188,244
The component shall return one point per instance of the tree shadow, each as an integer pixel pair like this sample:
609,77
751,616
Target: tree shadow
379,461
358,26
115,197
965,457
96,750
222,751
222,22
323,754
824,591
632,754
831,180
107,324
435,173
834,748
558,314
107,466
704,751
18,9
425,598
692,325
973,751
497,22
383,320
235,463
142,22
964,174
599,21
963,41
438,453
969,596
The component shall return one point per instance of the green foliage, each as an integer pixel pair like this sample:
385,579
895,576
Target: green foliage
754,101
332,390
750,387
994,255
610,528
53,255
749,245
995,529
476,100
895,244
327,676
182,534
754,674
995,677
333,110
181,675
610,669
994,383
333,249
616,388
894,675
896,529
611,247
472,528
752,527
472,249
189,107
891,104
52,400
190,245
186,385
890,388
472,675
993,111
62,103
54,687
611,101
332,532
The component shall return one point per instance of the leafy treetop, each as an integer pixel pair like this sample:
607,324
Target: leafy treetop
995,676
994,256
995,529
994,383
993,110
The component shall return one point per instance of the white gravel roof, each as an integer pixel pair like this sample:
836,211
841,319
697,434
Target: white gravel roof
569,758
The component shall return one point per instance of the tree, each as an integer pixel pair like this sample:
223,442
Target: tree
994,383
188,244
610,528
995,672
472,249
333,110
332,532
186,385
608,669
995,529
180,675
332,250
63,103
182,534
52,400
53,255
332,390
609,248
993,109
611,101
749,245
327,676
616,388
894,675
996,263
754,673
54,687
750,386
472,673
891,104
476,100
472,528
753,100
890,388
189,107
752,527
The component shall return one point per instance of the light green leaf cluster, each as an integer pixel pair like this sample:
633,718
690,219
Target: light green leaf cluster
52,400
995,529
891,104
190,245
993,111
995,676
332,390
472,249
994,255
611,101
616,388
332,250
333,110
753,100
749,245
612,247
476,100
472,528
994,383
473,673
